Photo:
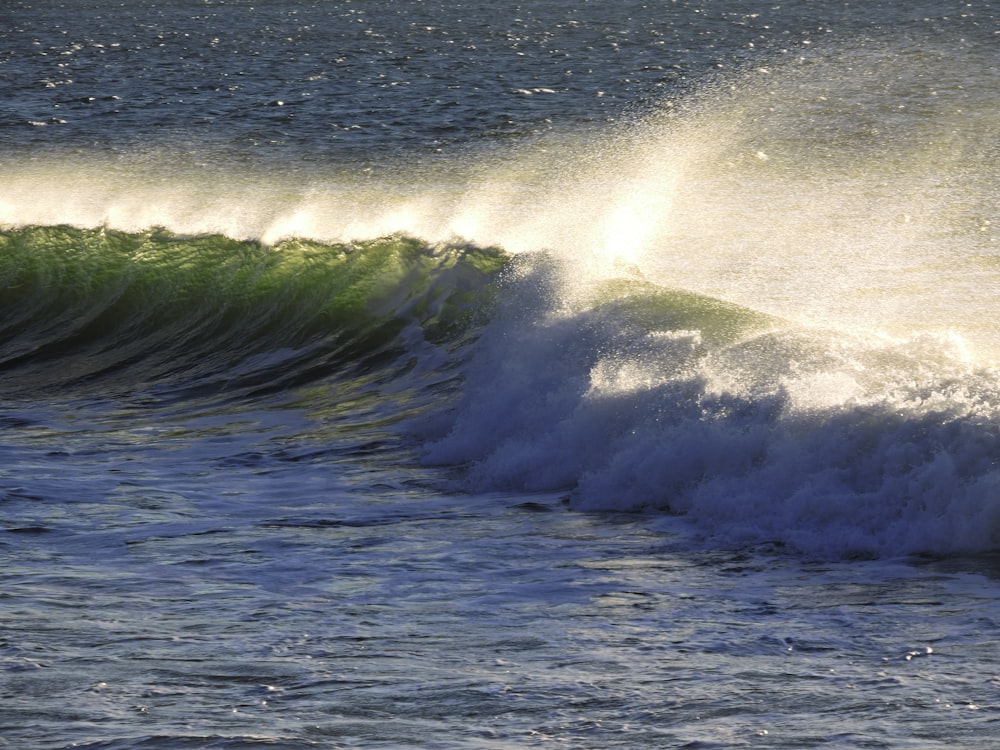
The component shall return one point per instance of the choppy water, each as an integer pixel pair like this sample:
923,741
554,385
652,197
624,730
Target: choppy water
426,374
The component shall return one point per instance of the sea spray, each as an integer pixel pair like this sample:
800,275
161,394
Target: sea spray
752,428
846,185
766,307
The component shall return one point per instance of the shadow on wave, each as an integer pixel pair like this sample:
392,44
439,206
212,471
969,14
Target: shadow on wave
176,316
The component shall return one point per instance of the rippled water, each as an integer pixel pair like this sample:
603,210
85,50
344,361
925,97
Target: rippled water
394,618
310,597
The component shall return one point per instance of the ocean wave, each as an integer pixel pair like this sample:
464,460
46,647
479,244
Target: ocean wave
752,311
620,393
633,398
624,394
99,306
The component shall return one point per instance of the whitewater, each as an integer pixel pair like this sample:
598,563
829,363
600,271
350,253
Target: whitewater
425,375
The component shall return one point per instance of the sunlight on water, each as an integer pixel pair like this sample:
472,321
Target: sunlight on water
773,190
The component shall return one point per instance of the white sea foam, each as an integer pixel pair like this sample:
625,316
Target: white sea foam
861,420
832,443
865,422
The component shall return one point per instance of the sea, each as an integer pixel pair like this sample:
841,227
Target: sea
557,374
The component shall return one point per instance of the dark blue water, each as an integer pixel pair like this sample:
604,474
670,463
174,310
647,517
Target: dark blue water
539,374
354,80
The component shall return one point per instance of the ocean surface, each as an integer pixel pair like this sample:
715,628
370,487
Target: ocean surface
540,374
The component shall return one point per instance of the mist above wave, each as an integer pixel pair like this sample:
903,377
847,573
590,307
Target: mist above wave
844,185
754,429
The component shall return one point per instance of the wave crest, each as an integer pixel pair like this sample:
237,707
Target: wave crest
754,430
95,305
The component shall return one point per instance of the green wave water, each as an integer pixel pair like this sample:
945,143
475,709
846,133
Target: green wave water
97,306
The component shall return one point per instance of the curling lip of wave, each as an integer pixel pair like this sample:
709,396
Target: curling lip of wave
752,429
101,306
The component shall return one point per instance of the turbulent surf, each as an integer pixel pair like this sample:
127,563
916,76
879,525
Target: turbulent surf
627,395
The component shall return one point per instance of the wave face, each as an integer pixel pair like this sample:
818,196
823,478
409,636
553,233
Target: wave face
623,393
98,309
